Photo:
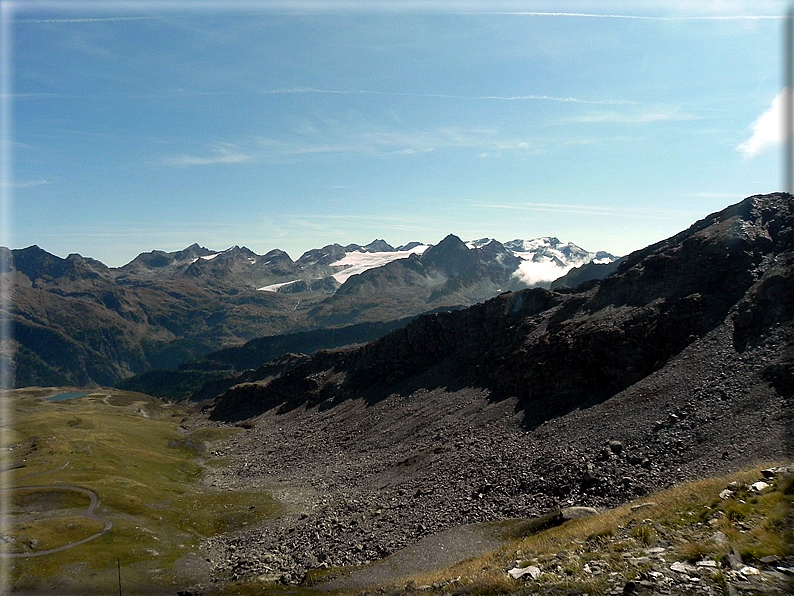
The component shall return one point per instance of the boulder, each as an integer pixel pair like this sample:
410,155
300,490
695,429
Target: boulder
680,567
519,572
569,513
718,537
759,487
733,560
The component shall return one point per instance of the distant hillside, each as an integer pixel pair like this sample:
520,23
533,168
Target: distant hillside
79,322
217,371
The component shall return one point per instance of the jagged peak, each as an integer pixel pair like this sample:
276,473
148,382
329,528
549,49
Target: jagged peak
409,246
378,245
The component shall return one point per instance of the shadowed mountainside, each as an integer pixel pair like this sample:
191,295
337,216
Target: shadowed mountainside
676,367
217,371
557,351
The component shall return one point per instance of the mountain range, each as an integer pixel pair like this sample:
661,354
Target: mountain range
560,350
671,364
676,366
78,322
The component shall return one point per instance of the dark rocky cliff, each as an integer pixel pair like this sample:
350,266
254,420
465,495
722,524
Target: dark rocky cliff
560,351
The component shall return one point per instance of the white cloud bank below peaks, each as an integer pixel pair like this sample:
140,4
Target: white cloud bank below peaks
768,128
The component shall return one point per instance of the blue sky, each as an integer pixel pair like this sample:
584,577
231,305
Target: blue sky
153,125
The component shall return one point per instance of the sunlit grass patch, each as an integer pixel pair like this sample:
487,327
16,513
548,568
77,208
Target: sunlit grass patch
52,532
38,500
615,542
214,434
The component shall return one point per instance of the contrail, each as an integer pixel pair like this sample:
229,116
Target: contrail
635,17
299,90
86,20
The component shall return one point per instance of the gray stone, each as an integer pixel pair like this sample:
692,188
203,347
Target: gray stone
519,572
616,446
569,513
642,506
680,567
733,560
718,537
749,570
759,487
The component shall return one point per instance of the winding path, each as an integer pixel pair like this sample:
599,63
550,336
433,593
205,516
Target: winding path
89,513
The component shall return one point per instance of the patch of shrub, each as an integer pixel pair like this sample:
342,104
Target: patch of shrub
645,534
694,551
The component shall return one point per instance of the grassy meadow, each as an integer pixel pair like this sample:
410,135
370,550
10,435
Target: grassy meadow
131,451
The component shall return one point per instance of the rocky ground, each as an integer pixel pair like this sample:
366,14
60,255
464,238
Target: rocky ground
360,481
647,556
676,368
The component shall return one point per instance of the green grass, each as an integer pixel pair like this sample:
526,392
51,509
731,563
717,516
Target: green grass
130,450
35,501
51,532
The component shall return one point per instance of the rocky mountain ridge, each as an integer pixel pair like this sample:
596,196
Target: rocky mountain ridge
79,322
677,366
593,341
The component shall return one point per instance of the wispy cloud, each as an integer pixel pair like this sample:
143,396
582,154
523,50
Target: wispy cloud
643,117
636,17
24,183
590,210
336,140
659,10
767,128
223,153
165,93
530,97
88,20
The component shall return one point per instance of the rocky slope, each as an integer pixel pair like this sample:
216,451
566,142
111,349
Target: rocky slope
683,357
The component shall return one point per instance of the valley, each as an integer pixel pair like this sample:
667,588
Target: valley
440,454
391,496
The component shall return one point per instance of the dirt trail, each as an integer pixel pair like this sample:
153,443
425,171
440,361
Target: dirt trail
89,512
434,552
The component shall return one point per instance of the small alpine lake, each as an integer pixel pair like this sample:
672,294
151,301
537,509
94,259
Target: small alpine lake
67,395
